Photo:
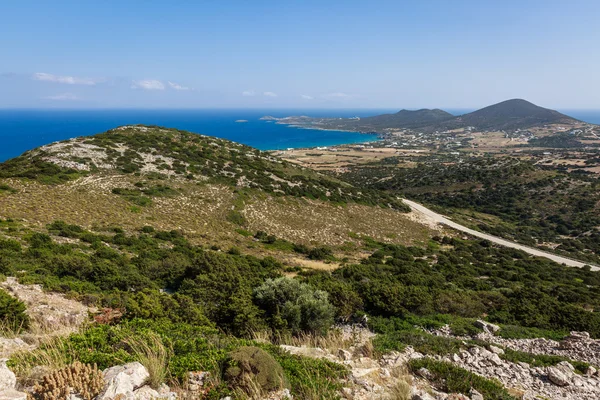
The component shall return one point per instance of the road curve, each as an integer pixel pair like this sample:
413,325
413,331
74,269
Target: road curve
440,219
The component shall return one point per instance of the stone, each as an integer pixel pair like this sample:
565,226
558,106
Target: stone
345,355
12,394
145,393
475,395
591,371
123,380
486,326
8,380
425,373
496,350
558,377
420,394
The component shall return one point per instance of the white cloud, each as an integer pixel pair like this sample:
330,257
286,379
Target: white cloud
177,86
337,95
306,97
270,94
63,97
248,93
69,80
149,84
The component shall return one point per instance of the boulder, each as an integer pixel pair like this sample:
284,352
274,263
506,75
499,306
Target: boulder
486,326
145,393
123,380
496,350
12,394
8,380
557,376
591,371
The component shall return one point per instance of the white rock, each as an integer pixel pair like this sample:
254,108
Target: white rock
12,394
557,376
123,380
345,355
145,393
8,380
496,350
475,395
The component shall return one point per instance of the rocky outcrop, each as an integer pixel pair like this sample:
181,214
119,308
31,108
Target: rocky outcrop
123,380
556,382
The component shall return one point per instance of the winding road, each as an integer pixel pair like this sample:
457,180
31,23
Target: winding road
440,219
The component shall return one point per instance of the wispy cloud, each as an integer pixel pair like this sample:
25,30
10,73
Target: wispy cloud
149,84
177,86
306,97
69,80
248,93
63,97
337,95
270,94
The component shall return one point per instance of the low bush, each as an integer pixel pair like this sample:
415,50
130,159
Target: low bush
254,371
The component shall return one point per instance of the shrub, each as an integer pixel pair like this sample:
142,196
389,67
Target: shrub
295,306
12,313
252,369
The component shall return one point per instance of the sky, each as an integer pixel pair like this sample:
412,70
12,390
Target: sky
292,54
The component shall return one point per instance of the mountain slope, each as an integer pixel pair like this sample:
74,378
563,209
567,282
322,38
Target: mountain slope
508,115
407,118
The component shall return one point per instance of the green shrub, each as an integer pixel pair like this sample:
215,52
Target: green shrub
295,306
12,313
251,368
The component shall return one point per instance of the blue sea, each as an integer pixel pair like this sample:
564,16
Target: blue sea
22,130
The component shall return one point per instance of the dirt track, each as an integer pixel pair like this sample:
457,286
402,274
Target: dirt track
440,219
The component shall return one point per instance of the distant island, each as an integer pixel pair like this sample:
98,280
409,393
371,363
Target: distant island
509,115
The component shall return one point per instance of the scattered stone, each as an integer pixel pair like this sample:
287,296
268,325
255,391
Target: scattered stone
345,355
475,395
496,350
557,376
425,373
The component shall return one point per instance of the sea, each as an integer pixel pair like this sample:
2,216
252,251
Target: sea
22,130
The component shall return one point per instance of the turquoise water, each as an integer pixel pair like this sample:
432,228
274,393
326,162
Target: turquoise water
22,130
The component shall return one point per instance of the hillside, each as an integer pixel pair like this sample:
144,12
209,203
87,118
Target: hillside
507,115
199,254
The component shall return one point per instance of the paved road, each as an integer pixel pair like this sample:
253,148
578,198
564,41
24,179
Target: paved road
535,252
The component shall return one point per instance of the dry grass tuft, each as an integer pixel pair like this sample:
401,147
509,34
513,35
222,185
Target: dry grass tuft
152,353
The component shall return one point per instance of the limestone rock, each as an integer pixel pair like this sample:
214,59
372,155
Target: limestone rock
123,380
486,326
12,394
146,393
345,355
8,380
557,376
475,395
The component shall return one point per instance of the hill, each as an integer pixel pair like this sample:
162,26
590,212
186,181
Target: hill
508,115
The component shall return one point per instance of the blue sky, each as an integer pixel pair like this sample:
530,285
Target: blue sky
309,54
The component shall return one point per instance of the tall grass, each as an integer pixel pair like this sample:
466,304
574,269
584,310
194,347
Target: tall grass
152,353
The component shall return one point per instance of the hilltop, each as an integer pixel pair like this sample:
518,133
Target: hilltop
508,115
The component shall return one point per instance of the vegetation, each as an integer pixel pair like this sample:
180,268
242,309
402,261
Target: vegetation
459,380
523,201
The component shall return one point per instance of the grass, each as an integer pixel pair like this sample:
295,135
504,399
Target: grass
152,353
541,360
